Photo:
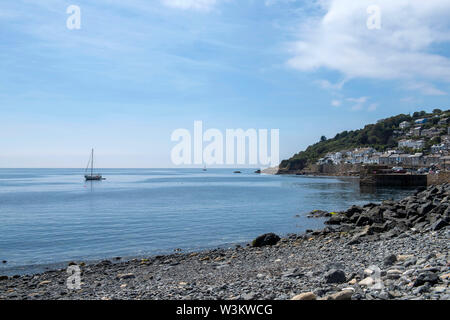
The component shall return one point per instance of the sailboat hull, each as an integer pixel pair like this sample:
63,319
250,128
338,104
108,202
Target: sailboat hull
93,178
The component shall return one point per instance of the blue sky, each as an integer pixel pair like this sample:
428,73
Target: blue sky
137,70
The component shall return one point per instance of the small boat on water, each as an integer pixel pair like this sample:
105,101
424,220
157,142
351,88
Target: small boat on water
204,168
92,176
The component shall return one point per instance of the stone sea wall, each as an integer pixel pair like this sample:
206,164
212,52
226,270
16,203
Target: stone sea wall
439,178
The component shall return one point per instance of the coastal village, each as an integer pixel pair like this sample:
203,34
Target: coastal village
423,146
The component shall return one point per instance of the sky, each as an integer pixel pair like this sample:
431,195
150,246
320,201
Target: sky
137,70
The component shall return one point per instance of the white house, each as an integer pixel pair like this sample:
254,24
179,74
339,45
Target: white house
414,144
404,125
437,148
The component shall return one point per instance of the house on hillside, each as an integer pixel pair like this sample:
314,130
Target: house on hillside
416,159
325,160
438,148
414,144
432,132
404,159
404,125
443,121
431,160
373,160
393,159
416,131
421,121
384,158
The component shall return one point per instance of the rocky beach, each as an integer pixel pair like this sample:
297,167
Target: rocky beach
392,250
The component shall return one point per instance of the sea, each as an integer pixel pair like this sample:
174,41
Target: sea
49,217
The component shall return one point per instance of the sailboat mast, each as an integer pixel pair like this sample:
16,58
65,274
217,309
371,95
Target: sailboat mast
92,161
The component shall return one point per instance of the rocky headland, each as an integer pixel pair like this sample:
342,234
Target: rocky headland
392,250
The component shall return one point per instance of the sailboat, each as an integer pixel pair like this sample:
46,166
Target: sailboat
92,176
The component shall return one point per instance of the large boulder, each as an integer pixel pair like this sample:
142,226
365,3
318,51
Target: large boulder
335,219
425,208
363,220
425,277
439,224
353,210
267,239
335,276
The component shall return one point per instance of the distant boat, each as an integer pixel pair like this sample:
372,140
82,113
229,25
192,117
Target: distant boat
204,168
92,176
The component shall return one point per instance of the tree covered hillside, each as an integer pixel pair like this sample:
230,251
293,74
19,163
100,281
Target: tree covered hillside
379,136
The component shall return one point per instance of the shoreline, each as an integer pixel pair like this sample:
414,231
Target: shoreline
411,251
39,268
62,265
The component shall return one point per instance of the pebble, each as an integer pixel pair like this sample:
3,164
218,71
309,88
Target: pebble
305,296
366,282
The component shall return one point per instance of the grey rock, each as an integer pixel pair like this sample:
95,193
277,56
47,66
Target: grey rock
426,277
439,224
390,260
268,239
335,276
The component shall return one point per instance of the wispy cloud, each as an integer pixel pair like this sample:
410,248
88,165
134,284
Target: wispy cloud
372,107
339,40
425,88
202,5
274,2
325,84
358,103
336,103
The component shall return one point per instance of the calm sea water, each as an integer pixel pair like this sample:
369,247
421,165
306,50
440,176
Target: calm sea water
52,215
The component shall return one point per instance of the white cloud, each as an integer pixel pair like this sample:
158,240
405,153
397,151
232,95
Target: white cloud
202,5
339,40
325,84
425,88
358,100
336,103
269,3
358,103
372,107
